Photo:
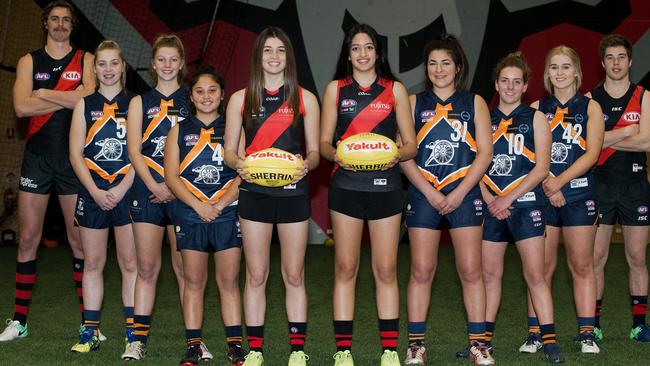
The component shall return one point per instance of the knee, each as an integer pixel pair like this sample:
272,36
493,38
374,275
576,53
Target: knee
93,265
423,273
470,275
535,280
256,278
148,271
386,274
29,239
492,275
194,283
637,263
228,283
295,279
345,271
582,270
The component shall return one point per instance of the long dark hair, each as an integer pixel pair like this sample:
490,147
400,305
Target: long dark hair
344,66
449,43
255,89
214,74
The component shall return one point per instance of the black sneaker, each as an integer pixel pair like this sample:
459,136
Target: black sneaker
193,355
553,354
235,354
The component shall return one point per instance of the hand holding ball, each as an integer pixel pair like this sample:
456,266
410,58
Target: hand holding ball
272,167
367,152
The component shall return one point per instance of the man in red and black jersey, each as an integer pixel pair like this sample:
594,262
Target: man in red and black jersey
622,186
49,82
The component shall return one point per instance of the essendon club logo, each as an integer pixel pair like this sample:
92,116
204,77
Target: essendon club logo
41,76
632,117
71,76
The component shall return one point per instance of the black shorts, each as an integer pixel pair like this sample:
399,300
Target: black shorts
366,205
626,203
261,207
45,174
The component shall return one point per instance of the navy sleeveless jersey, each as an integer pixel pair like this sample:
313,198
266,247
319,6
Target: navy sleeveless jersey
160,113
445,137
513,139
568,124
614,165
202,166
105,149
370,109
273,127
48,134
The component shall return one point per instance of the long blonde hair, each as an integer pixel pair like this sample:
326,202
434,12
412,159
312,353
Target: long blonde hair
575,60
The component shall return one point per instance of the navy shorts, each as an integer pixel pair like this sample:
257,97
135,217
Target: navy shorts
208,237
45,174
142,210
365,205
260,207
579,213
523,223
89,215
626,203
420,213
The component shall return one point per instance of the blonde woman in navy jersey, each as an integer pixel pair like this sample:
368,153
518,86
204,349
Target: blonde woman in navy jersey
512,190
151,116
99,158
206,213
454,150
363,78
577,129
273,111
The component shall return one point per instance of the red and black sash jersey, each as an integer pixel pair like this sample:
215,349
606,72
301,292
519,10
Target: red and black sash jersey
513,139
48,134
273,126
203,169
370,109
568,124
105,149
445,137
160,113
613,165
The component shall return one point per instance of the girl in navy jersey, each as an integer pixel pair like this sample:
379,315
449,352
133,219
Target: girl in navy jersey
151,116
577,129
273,111
512,190
364,80
454,150
99,158
206,213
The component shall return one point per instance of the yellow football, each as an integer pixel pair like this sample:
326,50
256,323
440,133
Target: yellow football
272,167
367,151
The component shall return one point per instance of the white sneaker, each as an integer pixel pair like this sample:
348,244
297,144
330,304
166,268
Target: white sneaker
134,351
101,336
588,343
14,330
480,355
416,355
533,343
205,354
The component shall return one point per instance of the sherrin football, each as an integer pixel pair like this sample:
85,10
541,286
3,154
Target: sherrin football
272,167
367,151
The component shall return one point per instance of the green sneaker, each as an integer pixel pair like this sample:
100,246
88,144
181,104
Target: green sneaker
390,358
88,341
298,358
598,333
254,358
641,333
14,330
343,358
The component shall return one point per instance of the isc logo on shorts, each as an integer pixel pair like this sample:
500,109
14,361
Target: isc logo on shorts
80,207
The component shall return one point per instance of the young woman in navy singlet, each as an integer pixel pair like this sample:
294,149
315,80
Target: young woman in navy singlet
205,221
365,97
273,111
152,203
577,129
100,160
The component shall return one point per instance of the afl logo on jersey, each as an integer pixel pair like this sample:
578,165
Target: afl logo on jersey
536,215
348,106
591,205
427,115
153,111
550,116
41,76
632,117
71,76
191,140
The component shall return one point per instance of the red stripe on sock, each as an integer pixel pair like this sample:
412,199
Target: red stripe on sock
20,309
25,278
23,294
389,342
255,342
77,276
389,334
640,309
344,343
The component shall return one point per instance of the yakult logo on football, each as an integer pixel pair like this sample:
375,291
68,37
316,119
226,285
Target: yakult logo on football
367,146
271,154
71,75
632,117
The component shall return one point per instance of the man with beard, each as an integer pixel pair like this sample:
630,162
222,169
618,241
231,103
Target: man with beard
49,82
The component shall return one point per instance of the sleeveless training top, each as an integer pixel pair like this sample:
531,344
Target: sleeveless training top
513,139
362,109
202,166
105,149
613,165
48,134
445,137
568,124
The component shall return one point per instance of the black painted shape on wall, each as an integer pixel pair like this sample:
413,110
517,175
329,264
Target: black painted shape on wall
180,14
411,46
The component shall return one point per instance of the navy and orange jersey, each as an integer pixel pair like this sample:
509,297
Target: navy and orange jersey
366,109
614,165
202,168
160,113
568,124
513,139
445,137
273,126
105,149
48,134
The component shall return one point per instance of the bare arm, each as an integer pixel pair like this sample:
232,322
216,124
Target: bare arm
328,122
312,129
233,132
77,142
641,140
25,104
404,116
67,99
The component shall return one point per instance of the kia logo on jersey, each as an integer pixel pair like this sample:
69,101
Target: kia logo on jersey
71,75
632,117
41,76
